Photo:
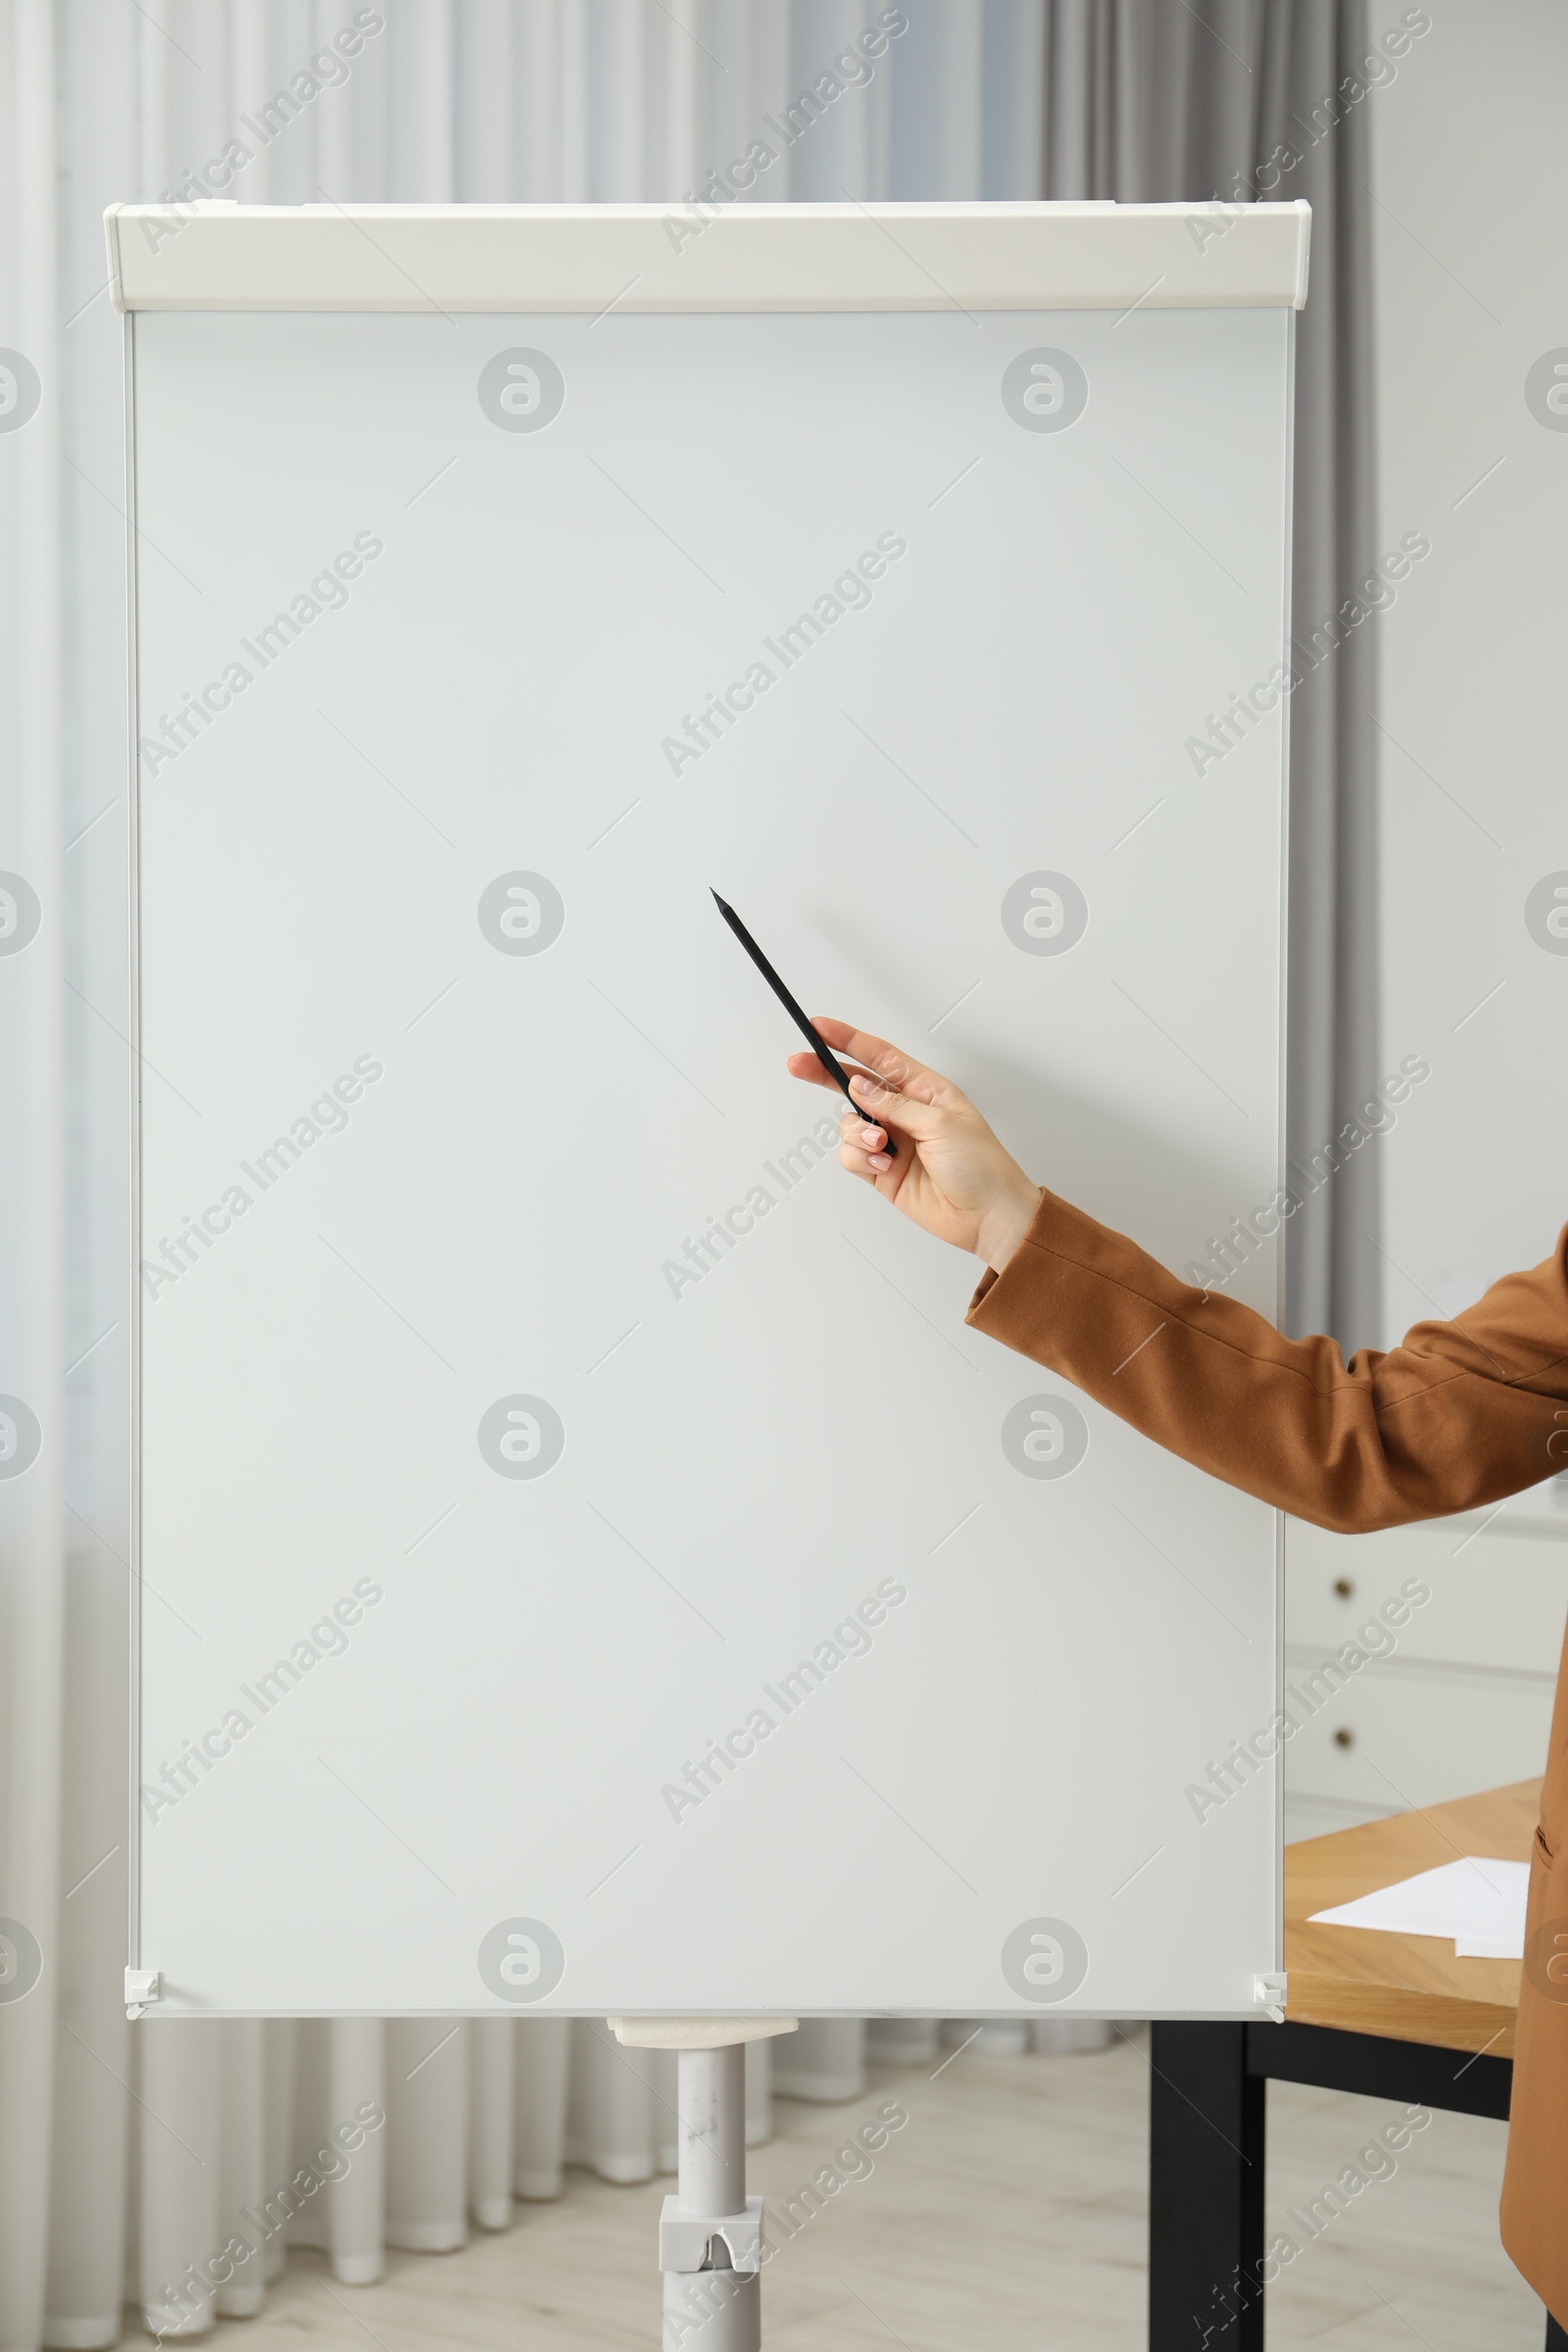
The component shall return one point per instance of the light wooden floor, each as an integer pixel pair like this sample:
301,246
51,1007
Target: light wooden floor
1006,2216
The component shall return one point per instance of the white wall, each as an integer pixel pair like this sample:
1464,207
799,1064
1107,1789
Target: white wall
1471,287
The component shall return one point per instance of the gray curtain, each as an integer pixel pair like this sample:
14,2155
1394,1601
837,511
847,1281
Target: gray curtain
1255,101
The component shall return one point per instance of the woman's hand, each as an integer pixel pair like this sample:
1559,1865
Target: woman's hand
950,1173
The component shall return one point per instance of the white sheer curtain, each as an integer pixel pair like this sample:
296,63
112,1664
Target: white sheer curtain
129,2156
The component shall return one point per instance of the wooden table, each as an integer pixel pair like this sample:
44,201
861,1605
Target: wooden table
1394,2017
1407,1988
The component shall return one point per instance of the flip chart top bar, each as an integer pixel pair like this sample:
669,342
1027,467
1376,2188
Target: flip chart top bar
619,257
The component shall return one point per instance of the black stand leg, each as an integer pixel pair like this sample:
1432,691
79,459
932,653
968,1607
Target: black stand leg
1556,2337
1205,2205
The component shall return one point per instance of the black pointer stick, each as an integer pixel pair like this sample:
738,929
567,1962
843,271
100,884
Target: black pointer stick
834,1068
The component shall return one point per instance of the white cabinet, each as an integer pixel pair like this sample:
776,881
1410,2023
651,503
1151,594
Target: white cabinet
1420,1663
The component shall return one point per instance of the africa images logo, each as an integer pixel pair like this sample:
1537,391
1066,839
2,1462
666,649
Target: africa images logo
1045,391
1546,390
1044,914
20,1437
21,913
521,913
1045,1437
521,390
1547,913
1045,1960
522,1436
19,390
20,1960
1547,1960
522,1960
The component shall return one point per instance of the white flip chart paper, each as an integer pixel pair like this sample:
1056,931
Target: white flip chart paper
584,1560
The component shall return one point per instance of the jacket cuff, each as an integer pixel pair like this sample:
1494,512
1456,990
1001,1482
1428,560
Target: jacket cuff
1014,1304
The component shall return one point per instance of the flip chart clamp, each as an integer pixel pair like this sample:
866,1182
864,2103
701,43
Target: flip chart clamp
709,2232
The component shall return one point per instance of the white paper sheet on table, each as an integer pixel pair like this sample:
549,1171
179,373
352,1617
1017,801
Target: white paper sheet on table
1477,1901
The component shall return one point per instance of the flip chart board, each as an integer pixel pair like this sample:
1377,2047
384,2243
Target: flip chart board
584,1561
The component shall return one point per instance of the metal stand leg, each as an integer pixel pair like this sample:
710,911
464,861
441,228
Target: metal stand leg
711,2232
1205,2205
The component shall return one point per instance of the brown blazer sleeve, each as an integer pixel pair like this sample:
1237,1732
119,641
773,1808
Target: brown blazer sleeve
1457,1416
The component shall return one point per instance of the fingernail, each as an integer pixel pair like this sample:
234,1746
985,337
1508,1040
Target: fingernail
870,1135
862,1085
881,1162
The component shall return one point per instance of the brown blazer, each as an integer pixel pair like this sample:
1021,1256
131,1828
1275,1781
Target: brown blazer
1457,1416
